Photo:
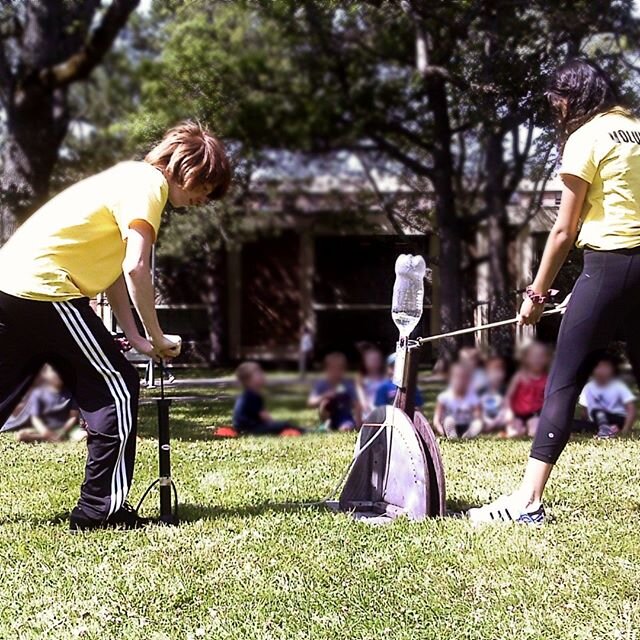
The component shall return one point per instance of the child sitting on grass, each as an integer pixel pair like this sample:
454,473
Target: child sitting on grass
608,401
495,414
386,393
249,413
458,411
49,414
525,395
335,396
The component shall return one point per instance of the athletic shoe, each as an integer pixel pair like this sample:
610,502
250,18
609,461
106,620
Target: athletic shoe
508,509
607,431
125,518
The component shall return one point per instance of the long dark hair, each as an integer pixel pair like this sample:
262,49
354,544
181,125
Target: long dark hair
579,90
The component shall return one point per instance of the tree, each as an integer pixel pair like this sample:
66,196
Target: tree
449,93
466,116
45,47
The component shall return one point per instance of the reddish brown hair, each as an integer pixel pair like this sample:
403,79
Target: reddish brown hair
190,155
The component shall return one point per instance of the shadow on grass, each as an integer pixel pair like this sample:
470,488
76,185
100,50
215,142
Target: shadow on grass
458,508
189,512
195,512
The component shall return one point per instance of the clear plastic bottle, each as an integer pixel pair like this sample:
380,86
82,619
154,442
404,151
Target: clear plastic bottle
408,293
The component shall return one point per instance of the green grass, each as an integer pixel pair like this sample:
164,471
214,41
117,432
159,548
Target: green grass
248,563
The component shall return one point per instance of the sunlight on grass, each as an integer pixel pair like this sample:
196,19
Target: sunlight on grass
248,562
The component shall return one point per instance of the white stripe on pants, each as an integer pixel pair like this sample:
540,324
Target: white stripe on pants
117,387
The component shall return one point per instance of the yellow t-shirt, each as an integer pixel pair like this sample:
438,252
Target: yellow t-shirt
606,153
74,245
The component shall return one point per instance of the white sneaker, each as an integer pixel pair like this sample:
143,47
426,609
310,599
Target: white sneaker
509,509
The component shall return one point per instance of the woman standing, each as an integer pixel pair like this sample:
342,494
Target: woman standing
600,212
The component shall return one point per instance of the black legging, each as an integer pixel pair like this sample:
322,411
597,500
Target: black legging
604,301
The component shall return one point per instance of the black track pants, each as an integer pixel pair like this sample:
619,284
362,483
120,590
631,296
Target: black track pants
71,337
605,302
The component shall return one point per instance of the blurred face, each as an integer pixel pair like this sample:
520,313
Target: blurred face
469,357
537,359
603,373
373,362
460,379
335,368
51,378
496,374
257,380
194,197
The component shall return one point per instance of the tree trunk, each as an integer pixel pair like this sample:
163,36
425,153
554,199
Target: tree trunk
501,299
448,224
451,289
37,123
54,44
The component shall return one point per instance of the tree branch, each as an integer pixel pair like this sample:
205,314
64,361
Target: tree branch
535,203
401,130
397,154
81,64
519,158
386,207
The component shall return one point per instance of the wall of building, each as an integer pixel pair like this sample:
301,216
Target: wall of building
338,285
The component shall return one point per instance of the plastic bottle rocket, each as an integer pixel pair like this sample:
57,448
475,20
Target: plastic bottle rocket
408,293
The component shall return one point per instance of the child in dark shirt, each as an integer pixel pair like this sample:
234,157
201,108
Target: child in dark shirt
386,393
249,413
335,396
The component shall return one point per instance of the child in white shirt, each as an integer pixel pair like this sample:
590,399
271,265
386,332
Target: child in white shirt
608,401
458,411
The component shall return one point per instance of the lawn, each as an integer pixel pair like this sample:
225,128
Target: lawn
248,563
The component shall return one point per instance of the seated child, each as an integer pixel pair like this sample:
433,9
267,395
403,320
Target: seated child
525,394
370,376
386,393
458,411
249,413
335,396
495,415
608,401
471,357
49,414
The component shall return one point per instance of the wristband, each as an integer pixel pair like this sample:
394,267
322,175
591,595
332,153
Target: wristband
537,298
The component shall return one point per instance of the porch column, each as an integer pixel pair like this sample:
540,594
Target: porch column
307,270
